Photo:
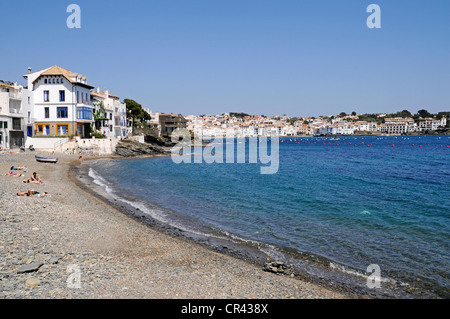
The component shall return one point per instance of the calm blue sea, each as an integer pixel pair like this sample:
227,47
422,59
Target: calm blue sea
355,201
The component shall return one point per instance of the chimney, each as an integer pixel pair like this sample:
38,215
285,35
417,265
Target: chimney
29,70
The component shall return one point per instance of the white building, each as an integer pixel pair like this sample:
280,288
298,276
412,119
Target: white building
430,124
59,103
366,126
113,114
11,116
398,126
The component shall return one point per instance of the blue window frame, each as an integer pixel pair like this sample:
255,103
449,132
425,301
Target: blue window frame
46,96
62,112
84,113
47,112
62,129
62,96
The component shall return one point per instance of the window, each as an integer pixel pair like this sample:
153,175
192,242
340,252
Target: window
29,100
62,112
62,129
47,112
78,97
17,124
45,81
84,113
62,96
54,81
46,96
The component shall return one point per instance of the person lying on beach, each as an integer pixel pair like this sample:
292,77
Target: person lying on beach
32,193
36,179
23,168
14,174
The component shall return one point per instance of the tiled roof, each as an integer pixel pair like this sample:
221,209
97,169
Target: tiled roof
57,70
8,86
103,95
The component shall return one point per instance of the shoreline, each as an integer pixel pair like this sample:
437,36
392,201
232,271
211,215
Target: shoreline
248,255
312,268
118,256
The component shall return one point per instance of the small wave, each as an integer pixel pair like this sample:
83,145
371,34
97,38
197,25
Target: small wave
104,184
360,274
270,250
100,181
156,214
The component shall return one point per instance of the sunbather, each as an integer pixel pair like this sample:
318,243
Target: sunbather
32,193
23,168
14,174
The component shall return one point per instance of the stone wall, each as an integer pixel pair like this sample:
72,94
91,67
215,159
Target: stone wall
96,146
92,147
152,131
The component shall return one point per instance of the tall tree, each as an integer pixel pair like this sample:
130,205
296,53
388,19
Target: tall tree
405,113
136,112
424,113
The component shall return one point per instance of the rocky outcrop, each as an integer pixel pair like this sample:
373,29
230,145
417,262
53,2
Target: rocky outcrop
279,268
130,149
152,146
160,141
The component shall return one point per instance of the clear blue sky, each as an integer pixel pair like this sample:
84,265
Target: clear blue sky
295,57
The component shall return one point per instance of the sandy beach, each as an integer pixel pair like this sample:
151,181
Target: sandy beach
45,242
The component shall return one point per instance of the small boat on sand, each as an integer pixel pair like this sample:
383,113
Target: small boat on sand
46,160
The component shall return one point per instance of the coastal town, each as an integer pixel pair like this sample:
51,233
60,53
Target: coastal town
57,108
225,158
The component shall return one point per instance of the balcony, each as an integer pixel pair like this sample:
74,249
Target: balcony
87,103
15,95
84,113
15,110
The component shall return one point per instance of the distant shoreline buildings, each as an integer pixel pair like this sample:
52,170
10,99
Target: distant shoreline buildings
227,124
58,106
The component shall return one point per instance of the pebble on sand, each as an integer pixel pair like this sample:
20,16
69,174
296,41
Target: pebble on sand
32,282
